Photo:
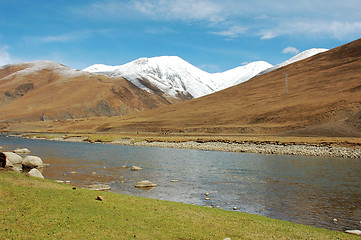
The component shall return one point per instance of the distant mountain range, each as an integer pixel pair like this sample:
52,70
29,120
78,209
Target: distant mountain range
176,77
48,90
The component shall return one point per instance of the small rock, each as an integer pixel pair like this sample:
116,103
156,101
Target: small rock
227,239
21,150
59,181
207,194
145,184
32,162
35,173
207,198
335,220
228,203
99,198
235,208
67,181
72,172
355,232
174,180
99,187
136,168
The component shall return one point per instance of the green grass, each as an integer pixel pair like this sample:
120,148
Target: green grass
32,208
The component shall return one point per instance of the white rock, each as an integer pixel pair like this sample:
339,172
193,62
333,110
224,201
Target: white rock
99,187
145,184
32,162
136,168
21,150
13,157
355,232
35,173
16,169
9,164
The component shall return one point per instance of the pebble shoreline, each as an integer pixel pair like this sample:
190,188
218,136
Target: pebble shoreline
260,148
303,150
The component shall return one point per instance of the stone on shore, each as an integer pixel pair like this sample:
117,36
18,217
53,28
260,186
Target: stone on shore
21,150
136,168
13,157
9,164
355,232
99,187
16,169
32,162
35,173
145,184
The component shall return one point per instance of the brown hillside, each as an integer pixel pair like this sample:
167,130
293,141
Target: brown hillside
324,98
54,92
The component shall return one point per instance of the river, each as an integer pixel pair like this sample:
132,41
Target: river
307,190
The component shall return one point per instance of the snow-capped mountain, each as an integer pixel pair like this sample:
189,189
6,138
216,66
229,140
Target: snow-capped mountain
175,76
170,74
303,55
35,66
239,74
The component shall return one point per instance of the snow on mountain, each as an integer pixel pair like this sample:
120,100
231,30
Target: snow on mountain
303,55
173,75
36,66
240,74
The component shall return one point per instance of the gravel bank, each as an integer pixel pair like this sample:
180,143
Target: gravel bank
304,150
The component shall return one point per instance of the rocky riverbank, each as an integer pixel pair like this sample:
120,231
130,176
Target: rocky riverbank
261,147
264,148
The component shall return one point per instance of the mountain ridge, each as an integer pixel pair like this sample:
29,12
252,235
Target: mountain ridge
174,76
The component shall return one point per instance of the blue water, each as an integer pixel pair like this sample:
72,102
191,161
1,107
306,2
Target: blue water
307,190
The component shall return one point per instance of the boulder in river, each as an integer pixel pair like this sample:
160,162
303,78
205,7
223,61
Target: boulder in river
136,168
145,184
32,162
21,150
355,232
13,157
35,173
98,187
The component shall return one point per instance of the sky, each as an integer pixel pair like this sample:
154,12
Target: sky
210,34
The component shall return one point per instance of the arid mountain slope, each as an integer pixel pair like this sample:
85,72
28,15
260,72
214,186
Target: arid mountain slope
47,90
323,98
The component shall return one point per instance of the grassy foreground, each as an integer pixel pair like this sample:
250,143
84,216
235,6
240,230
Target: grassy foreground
32,208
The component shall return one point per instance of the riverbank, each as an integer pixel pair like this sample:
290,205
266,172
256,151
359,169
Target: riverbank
304,146
74,213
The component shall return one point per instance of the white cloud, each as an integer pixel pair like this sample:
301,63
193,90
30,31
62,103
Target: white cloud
334,29
232,32
65,37
292,50
5,57
186,10
338,19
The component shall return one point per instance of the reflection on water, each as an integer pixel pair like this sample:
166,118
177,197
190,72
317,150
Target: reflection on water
308,190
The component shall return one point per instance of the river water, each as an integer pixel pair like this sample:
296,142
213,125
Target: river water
307,190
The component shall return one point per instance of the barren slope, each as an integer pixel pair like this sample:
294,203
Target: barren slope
35,90
324,98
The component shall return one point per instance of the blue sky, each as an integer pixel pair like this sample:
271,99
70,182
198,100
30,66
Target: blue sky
212,35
